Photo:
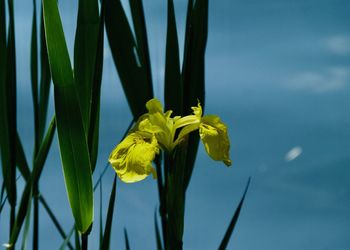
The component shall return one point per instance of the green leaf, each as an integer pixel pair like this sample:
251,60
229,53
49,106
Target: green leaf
108,227
173,89
132,72
234,220
93,133
139,22
101,220
21,160
72,140
175,197
8,105
34,177
26,229
45,80
158,239
34,78
127,244
84,54
193,70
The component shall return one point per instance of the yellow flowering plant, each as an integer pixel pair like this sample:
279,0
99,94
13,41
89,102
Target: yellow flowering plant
154,131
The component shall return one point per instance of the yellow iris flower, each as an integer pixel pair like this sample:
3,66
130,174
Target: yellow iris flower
132,158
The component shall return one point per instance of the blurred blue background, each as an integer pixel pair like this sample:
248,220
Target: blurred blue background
278,73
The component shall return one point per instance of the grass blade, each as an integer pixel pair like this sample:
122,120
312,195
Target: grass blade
8,110
193,70
93,133
26,229
101,220
21,160
34,78
234,220
139,22
156,228
84,54
132,72
127,244
173,89
72,140
108,227
45,80
34,177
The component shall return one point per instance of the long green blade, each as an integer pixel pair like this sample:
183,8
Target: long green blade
156,228
45,80
139,22
193,70
173,89
72,137
108,227
234,220
126,238
34,177
21,160
8,104
93,133
132,72
84,54
26,229
34,77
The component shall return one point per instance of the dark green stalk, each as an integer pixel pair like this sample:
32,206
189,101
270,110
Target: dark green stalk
12,218
84,241
36,220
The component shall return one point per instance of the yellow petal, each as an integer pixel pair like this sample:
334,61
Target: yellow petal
132,158
154,106
214,136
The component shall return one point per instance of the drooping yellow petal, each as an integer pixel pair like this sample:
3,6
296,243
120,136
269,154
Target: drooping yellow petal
213,133
132,158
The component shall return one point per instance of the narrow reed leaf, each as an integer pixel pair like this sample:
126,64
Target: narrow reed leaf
234,220
173,89
26,229
127,244
101,220
139,22
21,160
84,54
8,108
93,133
193,70
72,137
66,242
34,177
132,74
45,80
34,77
176,196
156,228
56,222
108,227
2,197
